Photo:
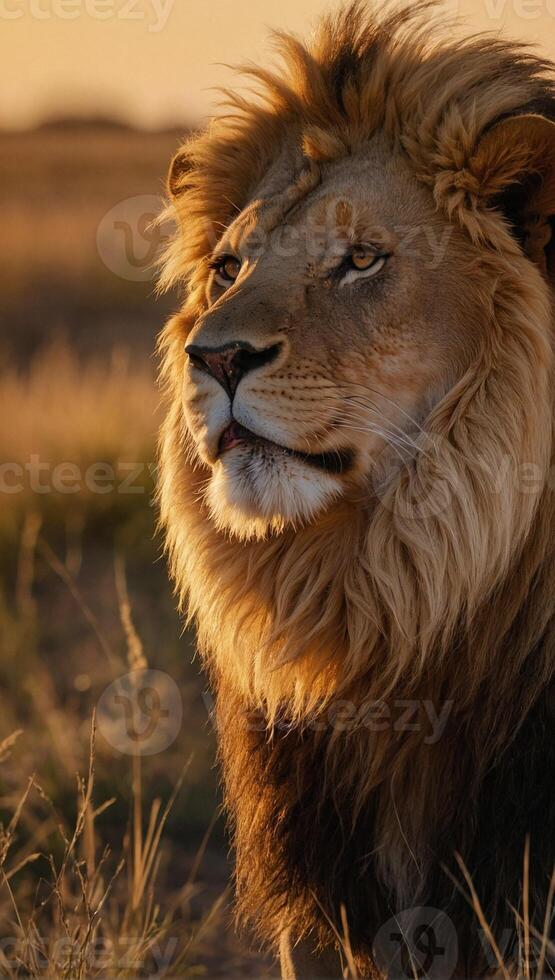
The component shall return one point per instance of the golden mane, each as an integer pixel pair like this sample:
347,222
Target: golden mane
420,576
447,586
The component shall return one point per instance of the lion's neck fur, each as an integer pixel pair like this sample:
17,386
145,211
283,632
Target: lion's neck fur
397,599
489,674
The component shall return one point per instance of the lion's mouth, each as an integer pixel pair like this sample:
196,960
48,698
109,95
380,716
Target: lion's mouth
337,462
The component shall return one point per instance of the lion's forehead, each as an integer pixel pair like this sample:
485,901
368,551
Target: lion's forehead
367,198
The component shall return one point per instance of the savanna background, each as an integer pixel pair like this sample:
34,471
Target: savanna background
113,856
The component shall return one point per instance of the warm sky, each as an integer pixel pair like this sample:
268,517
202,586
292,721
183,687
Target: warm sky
155,60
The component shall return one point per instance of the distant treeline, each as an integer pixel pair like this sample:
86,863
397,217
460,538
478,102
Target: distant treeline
78,123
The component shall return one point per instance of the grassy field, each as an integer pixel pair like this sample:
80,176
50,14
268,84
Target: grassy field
113,859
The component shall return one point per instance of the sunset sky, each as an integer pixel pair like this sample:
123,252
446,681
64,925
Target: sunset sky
154,61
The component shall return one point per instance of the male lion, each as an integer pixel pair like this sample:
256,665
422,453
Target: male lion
355,486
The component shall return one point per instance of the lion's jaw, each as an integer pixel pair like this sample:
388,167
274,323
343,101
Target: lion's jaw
357,363
256,484
260,490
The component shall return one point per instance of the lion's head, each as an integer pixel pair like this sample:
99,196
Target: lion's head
333,325
362,365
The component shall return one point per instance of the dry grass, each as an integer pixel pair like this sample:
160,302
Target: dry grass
536,950
67,410
122,872
78,439
109,878
95,914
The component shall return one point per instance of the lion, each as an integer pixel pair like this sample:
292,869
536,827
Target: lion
356,487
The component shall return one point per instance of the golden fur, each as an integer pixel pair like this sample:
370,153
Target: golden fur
444,587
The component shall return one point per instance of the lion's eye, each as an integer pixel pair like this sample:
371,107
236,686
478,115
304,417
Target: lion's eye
362,262
227,269
362,258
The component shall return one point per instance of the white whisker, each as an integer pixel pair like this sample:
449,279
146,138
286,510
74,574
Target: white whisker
402,439
387,437
376,391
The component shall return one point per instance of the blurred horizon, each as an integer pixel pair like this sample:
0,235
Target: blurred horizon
66,122
155,64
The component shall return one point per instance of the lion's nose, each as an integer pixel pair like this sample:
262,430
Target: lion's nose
231,362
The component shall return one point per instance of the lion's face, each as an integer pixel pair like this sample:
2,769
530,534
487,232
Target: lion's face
334,322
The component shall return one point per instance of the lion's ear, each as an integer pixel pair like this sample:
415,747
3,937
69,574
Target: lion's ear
515,167
180,167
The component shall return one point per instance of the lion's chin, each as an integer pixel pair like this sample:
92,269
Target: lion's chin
252,494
